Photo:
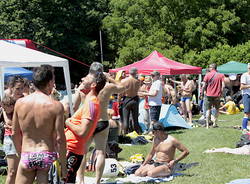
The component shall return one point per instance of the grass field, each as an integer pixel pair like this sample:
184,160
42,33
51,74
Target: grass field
213,168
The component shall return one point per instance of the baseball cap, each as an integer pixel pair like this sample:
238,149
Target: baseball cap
232,76
155,73
147,80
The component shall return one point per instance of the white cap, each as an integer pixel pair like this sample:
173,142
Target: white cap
232,76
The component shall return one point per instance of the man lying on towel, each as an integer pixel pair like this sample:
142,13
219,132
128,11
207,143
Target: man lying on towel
163,148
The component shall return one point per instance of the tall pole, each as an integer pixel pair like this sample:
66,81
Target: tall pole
100,33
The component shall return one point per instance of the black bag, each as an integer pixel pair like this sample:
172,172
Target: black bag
140,140
2,129
244,140
112,150
122,139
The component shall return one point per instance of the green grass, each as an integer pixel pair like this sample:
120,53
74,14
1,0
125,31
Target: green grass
213,168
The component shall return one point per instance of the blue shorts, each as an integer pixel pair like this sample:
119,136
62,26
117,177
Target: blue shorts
246,103
155,112
8,145
183,99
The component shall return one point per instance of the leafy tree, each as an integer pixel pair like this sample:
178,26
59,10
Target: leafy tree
177,28
70,27
220,55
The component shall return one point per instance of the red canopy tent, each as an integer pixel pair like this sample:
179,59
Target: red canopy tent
156,61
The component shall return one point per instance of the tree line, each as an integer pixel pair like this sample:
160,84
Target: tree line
188,31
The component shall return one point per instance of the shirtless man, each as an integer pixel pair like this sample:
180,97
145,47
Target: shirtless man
163,148
38,130
131,102
170,92
186,88
102,130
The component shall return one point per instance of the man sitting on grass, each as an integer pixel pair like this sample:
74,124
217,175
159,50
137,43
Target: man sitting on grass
163,148
230,107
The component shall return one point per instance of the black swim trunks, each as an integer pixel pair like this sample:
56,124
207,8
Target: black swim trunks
156,164
101,125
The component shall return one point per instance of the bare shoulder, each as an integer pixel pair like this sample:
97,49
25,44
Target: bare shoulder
21,101
125,81
172,139
109,86
58,106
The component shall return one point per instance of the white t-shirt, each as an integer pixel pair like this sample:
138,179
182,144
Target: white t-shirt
245,79
156,100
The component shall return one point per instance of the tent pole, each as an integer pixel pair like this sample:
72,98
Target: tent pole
2,82
199,86
68,86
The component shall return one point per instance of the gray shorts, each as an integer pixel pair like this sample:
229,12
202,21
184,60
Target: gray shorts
212,102
8,145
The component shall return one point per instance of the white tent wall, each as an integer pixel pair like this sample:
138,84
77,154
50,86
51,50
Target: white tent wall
12,55
1,82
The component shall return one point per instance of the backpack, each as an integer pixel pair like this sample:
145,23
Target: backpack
244,140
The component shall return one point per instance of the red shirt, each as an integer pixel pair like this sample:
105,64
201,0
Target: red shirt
214,87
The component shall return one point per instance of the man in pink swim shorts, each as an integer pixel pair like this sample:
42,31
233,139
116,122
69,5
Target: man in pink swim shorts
38,130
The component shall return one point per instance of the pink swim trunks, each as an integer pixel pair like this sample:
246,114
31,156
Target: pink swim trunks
38,160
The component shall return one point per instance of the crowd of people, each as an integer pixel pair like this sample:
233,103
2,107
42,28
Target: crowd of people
39,128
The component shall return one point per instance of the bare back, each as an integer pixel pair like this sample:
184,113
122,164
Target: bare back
132,86
165,150
37,114
104,98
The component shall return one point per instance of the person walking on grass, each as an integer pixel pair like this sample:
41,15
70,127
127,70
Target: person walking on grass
214,85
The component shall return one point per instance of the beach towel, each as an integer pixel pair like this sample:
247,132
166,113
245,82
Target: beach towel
240,181
136,179
91,180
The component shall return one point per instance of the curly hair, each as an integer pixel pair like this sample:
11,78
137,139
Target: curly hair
15,79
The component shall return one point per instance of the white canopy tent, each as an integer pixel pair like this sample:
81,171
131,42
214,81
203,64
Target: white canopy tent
12,55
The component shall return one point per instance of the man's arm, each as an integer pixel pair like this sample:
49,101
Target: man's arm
243,82
150,154
222,86
182,148
177,82
151,94
7,120
224,106
61,139
16,131
80,130
115,86
244,86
